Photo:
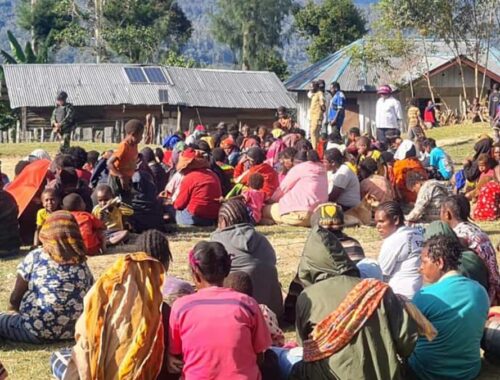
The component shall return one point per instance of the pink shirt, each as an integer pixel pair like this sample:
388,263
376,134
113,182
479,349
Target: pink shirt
303,189
219,333
255,200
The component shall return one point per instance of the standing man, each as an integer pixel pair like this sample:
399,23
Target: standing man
62,120
336,110
316,111
493,103
389,114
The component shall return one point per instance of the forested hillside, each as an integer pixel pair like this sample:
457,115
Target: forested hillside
201,47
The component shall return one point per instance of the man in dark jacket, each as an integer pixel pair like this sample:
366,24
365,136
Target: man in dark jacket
63,120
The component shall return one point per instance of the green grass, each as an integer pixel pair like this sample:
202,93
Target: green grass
25,361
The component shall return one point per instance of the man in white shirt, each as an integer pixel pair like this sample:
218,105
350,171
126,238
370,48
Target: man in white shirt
389,114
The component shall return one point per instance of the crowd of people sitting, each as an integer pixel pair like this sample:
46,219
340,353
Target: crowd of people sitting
421,310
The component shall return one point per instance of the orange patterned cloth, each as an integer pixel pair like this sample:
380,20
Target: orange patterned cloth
336,331
120,333
62,240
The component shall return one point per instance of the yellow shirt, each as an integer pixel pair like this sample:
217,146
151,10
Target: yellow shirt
114,217
317,103
41,217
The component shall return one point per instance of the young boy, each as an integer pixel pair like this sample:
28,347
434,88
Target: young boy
50,203
91,228
111,213
241,282
123,162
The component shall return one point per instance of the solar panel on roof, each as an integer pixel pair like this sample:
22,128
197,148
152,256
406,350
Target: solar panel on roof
155,75
135,75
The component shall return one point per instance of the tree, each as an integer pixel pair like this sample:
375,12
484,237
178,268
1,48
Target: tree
20,55
53,23
171,58
252,29
466,26
331,25
143,30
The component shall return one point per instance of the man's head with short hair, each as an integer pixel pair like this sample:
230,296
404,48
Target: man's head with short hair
335,86
92,157
68,178
455,209
354,132
73,202
363,144
61,98
429,144
414,180
63,161
239,281
333,157
368,167
219,155
440,255
79,156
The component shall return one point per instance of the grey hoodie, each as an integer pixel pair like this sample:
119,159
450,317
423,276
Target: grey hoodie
254,255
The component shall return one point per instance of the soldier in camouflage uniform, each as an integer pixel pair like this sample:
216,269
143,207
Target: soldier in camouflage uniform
63,120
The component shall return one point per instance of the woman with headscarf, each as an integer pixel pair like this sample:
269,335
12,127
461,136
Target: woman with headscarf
51,282
253,162
123,330
341,318
253,253
406,161
197,202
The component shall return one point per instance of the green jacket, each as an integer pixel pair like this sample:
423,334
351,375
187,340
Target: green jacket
373,352
68,121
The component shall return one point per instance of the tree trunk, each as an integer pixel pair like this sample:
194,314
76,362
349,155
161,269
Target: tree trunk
427,70
488,43
34,43
245,48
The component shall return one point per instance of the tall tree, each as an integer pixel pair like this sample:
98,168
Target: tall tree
144,30
53,23
331,25
252,29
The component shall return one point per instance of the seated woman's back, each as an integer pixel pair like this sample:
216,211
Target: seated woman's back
304,187
216,332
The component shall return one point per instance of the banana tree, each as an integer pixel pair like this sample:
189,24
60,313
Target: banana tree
20,55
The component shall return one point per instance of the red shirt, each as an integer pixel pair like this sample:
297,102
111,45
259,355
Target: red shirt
199,193
84,175
271,179
219,333
91,229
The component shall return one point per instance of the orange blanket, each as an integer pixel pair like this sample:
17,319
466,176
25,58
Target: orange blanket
24,187
120,333
401,167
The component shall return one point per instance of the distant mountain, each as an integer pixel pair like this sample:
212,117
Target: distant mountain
201,47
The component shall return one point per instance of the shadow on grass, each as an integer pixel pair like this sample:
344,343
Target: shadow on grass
7,346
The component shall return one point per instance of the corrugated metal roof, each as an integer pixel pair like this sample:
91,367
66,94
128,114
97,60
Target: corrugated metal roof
352,77
107,84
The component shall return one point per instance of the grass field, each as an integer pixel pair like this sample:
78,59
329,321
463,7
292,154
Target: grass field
25,361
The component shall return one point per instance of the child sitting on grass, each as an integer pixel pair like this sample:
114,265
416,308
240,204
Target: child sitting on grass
50,202
111,212
123,161
254,196
241,282
91,228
